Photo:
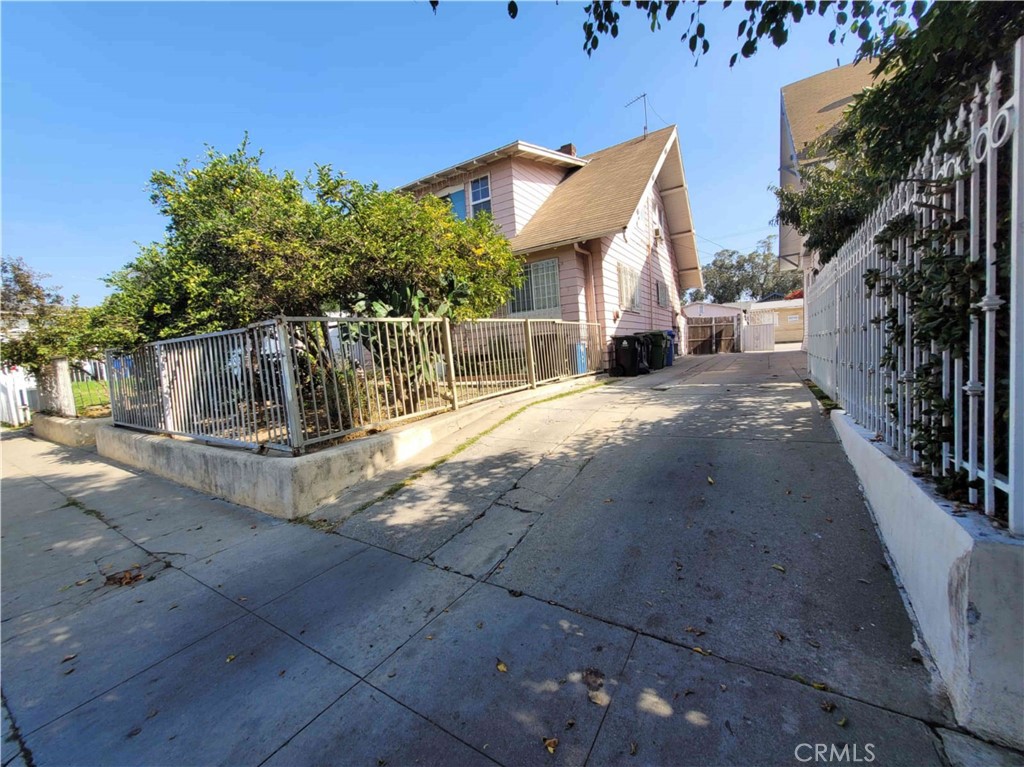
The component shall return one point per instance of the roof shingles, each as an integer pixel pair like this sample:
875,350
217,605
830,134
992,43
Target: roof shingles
599,198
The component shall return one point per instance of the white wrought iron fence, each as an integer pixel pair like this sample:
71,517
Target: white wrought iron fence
960,212
297,381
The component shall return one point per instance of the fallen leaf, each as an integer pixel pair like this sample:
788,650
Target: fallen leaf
711,481
632,749
829,520
724,688
501,666
83,581
609,500
819,685
152,713
701,650
842,722
799,679
688,692
789,492
813,644
230,658
694,630
780,568
69,670
134,731
828,706
69,657
243,599
480,624
599,697
570,724
430,637
550,744
864,580
781,637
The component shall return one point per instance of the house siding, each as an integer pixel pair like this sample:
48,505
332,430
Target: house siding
502,197
532,184
654,261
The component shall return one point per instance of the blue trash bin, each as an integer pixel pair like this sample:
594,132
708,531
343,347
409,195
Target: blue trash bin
581,357
670,352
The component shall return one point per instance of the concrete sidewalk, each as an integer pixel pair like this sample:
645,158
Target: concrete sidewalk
675,569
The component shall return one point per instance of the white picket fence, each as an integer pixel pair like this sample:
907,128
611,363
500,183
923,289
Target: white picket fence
17,395
974,172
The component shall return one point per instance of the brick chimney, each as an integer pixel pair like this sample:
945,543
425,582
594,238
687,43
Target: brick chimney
569,149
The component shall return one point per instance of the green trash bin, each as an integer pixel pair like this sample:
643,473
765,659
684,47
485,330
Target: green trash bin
659,348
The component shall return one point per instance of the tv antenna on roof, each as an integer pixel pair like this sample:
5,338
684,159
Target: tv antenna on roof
631,103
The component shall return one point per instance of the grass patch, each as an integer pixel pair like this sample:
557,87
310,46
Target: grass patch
827,403
90,394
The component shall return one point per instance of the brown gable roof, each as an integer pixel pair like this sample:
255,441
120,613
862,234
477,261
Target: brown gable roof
599,198
814,105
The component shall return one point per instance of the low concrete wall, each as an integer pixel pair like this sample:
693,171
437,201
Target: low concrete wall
965,582
76,432
293,487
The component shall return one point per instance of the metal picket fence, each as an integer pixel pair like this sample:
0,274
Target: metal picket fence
970,183
292,382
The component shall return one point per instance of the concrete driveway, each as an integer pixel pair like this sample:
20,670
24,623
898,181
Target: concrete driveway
675,569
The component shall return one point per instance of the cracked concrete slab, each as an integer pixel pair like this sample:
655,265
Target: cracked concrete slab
451,676
416,521
359,612
368,727
72,659
477,549
673,700
233,698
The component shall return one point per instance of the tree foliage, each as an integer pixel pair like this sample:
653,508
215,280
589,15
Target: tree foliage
38,325
927,74
245,243
733,276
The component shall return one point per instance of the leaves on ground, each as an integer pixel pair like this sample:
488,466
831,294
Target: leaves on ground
126,577
570,724
779,567
550,744
230,658
83,581
66,658
501,666
633,748
819,685
599,697
694,630
701,650
711,481
828,706
842,722
781,637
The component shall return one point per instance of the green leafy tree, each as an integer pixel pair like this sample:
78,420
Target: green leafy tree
733,276
38,325
924,76
245,243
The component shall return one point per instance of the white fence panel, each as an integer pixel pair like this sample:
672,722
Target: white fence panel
17,395
758,338
966,195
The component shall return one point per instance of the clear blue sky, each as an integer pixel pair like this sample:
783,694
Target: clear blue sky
97,96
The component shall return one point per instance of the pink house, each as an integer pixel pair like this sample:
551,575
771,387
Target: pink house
607,237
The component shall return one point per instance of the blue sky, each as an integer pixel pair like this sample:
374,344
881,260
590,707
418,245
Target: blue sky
97,96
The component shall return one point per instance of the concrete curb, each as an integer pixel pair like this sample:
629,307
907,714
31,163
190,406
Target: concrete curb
74,432
292,487
963,578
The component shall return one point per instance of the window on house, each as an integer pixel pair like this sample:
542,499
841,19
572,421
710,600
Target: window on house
629,289
480,189
540,290
457,199
662,293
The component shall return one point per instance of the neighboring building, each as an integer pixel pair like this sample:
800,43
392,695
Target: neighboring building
810,108
786,315
607,237
703,309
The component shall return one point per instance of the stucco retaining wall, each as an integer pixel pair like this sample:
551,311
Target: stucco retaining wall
964,579
75,432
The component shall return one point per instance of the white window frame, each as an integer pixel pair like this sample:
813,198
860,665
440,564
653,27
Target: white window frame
663,295
635,301
473,203
545,292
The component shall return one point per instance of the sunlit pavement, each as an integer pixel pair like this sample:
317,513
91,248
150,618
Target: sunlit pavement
673,569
